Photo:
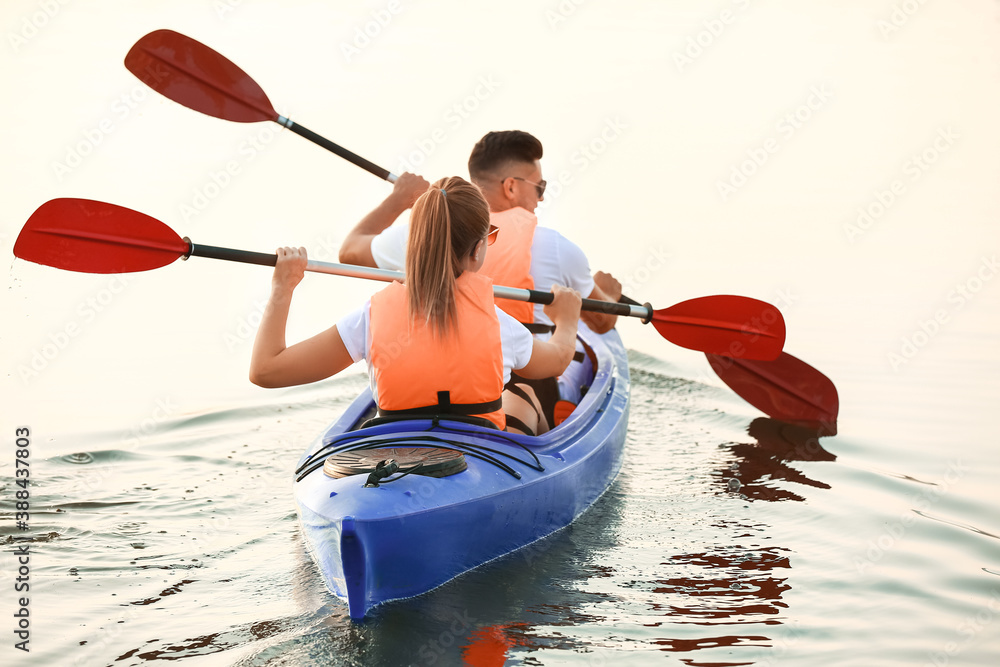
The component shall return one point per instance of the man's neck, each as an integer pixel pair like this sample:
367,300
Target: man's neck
498,203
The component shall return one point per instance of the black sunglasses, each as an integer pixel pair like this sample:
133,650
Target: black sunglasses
539,187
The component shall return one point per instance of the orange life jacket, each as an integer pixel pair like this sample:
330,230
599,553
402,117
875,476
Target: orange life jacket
417,371
508,261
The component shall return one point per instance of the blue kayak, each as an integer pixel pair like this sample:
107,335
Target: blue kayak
411,531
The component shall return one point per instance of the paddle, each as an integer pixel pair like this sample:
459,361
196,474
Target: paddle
786,389
96,237
194,75
700,326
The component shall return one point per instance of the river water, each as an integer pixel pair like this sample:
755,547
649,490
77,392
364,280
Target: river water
837,160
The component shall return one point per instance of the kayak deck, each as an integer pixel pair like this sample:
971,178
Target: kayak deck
414,533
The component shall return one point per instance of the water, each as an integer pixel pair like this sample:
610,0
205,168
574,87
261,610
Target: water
187,547
162,522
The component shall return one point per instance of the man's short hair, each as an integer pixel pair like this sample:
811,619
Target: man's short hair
496,151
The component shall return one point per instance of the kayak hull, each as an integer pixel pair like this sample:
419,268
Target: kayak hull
411,535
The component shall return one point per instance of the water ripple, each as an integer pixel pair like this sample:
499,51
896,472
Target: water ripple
957,524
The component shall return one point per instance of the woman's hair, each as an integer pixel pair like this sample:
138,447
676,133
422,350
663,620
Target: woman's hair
446,224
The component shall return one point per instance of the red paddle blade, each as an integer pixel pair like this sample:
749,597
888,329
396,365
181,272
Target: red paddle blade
192,74
736,326
94,237
786,389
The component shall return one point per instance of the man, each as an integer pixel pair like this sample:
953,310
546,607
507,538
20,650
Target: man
506,167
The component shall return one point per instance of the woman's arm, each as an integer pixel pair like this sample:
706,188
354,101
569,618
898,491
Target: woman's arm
551,357
272,364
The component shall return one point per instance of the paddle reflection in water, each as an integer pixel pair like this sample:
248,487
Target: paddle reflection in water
719,568
759,466
731,585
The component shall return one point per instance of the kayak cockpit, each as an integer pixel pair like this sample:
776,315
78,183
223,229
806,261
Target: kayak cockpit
361,417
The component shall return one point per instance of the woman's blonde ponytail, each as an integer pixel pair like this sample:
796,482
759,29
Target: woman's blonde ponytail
446,224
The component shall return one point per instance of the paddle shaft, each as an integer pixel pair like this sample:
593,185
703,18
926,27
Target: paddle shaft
354,158
367,273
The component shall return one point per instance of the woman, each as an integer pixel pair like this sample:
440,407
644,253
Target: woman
437,345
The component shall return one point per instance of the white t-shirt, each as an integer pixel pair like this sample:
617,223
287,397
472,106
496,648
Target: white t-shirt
555,260
515,340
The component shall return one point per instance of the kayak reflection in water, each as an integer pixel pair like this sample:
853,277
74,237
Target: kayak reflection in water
437,345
